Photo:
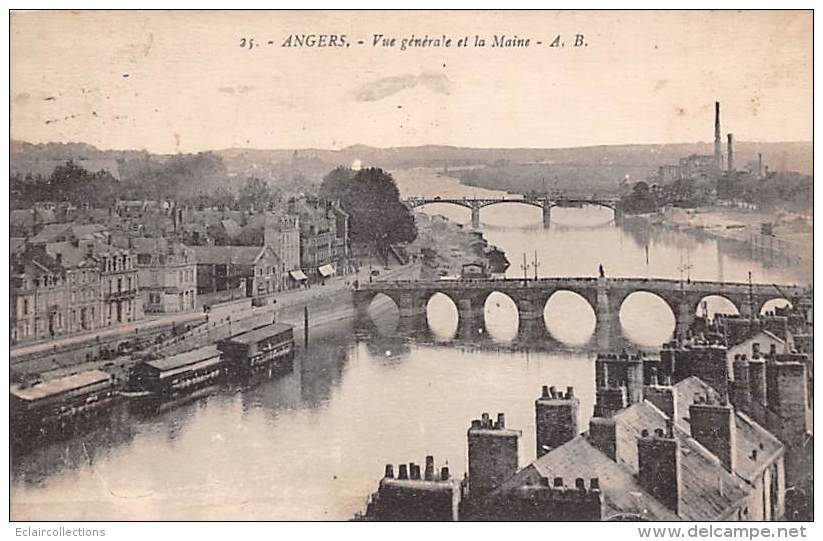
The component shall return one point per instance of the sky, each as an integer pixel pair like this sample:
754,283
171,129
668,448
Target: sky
172,82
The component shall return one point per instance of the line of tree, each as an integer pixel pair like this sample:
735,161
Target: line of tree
67,183
775,190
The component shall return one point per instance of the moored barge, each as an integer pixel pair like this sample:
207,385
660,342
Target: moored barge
53,403
176,375
269,348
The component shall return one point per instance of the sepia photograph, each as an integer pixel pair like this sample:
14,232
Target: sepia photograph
425,265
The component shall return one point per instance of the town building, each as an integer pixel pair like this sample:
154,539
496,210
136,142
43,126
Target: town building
72,286
701,461
241,271
167,271
281,233
324,242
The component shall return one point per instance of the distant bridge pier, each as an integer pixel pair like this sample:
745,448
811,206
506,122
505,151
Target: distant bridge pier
530,307
531,330
476,216
604,314
618,214
603,310
547,215
410,305
470,307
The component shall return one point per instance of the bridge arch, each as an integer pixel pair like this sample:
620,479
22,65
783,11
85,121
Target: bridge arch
570,317
647,317
716,304
575,203
530,202
501,315
417,203
378,300
442,315
769,304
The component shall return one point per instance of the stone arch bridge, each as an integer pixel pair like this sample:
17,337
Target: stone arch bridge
605,295
544,203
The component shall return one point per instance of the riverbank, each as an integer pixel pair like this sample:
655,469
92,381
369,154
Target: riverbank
327,303
791,233
444,247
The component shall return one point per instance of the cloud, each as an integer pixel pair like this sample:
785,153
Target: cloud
242,89
388,86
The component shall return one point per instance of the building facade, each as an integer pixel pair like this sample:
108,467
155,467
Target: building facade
167,272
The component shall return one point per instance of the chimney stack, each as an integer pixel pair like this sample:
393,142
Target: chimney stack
759,165
493,454
603,436
713,425
663,397
659,473
730,163
718,152
556,419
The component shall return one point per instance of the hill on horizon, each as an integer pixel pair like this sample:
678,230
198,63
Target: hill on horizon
293,168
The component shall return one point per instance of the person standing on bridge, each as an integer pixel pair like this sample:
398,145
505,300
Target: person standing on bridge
602,271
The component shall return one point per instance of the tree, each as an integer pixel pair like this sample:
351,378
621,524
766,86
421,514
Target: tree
255,193
640,200
372,200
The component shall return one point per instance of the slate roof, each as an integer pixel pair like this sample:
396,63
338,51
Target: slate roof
185,359
60,385
232,228
707,491
255,335
65,231
72,256
749,437
620,491
238,255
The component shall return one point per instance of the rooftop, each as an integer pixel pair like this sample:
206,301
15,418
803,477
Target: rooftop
255,335
184,359
59,385
236,255
620,491
749,437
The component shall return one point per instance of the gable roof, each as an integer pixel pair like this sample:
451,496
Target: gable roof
620,491
232,228
237,255
749,436
707,491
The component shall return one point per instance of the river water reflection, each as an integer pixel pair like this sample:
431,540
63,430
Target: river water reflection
312,444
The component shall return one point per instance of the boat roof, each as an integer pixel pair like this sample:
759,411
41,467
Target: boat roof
255,335
59,385
184,359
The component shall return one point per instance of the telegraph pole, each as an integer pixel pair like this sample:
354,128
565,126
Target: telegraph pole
525,267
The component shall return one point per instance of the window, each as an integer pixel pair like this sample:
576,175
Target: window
25,307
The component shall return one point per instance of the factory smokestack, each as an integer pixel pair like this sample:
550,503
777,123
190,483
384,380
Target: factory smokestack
759,165
718,151
731,152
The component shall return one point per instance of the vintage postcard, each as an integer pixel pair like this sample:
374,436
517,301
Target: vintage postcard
411,266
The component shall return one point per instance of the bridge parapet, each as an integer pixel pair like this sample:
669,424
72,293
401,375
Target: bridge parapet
604,295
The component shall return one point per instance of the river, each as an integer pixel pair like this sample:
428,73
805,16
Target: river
312,444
